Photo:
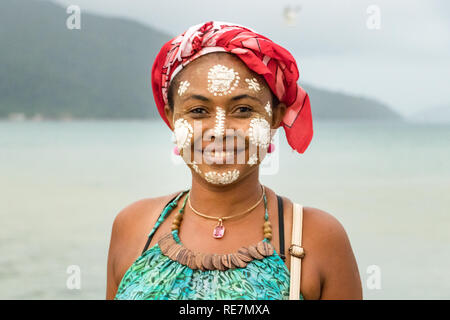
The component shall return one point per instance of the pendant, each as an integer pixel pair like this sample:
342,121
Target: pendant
219,230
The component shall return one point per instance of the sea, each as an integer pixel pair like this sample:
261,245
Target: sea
62,184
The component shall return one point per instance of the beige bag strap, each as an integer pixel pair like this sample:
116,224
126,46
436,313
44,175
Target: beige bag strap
296,251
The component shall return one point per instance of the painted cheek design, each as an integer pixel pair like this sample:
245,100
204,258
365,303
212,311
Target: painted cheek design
253,159
183,133
183,87
221,80
195,167
268,108
253,84
222,178
259,132
219,128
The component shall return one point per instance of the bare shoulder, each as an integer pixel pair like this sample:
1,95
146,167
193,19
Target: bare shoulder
319,226
333,255
129,233
324,227
329,268
137,213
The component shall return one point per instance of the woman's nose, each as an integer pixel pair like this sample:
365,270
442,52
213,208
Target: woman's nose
220,123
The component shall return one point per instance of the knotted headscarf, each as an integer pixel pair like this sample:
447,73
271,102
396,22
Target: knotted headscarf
260,54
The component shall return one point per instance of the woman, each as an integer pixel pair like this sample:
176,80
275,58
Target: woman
223,90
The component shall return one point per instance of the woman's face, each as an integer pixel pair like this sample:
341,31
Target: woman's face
222,118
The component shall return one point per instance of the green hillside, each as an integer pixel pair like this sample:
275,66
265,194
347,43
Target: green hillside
327,104
102,70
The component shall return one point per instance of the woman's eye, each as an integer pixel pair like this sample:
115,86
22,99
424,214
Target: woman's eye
243,109
198,110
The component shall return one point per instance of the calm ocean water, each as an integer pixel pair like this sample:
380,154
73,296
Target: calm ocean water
62,183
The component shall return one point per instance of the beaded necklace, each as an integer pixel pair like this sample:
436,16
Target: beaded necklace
211,261
172,247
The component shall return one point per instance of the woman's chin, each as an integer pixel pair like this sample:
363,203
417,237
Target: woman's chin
222,174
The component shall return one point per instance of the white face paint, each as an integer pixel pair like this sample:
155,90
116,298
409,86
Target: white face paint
253,84
268,108
183,133
221,80
222,178
195,167
219,128
259,132
183,87
253,159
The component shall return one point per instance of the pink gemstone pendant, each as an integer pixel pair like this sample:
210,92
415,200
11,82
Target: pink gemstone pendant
219,230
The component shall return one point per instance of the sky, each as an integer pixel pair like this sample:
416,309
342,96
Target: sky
404,63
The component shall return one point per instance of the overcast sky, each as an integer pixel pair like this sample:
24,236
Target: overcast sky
405,63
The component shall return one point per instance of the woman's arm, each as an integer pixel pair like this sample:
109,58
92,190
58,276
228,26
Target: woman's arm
129,234
111,284
338,267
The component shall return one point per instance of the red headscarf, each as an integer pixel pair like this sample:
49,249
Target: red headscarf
259,53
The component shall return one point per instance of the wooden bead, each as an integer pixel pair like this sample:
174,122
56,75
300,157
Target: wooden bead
166,242
199,261
174,227
254,252
191,262
268,236
238,263
267,230
167,237
165,246
175,222
226,261
244,255
207,262
264,248
267,224
173,251
182,256
217,262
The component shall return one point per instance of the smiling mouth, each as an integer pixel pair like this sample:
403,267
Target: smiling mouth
220,156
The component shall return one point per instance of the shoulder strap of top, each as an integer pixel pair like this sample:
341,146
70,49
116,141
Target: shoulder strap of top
296,251
281,226
167,208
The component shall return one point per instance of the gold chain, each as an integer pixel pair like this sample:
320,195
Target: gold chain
229,217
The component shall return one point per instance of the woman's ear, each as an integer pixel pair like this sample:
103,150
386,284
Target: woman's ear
278,113
169,115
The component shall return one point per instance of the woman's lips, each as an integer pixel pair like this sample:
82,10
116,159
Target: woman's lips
220,157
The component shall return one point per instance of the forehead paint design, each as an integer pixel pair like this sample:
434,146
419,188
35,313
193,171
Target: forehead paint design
183,133
268,108
221,80
253,84
222,178
219,128
183,87
253,159
259,132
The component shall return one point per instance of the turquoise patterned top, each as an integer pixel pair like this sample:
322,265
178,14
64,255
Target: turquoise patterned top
154,276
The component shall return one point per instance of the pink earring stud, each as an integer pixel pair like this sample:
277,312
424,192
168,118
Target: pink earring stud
176,151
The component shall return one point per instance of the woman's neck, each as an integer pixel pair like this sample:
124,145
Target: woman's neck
225,200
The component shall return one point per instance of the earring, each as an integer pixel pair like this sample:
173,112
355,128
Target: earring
271,148
176,151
